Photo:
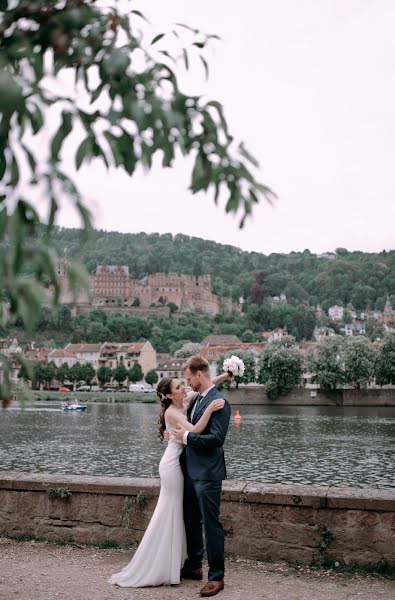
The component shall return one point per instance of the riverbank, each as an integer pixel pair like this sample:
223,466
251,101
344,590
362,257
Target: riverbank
248,396
37,571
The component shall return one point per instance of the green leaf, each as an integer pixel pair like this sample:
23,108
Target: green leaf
186,60
157,38
86,219
36,119
219,108
113,142
205,65
139,14
14,172
168,55
63,131
96,93
37,61
52,214
3,164
31,160
244,152
187,27
85,150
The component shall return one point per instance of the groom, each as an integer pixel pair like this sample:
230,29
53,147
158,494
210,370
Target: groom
205,470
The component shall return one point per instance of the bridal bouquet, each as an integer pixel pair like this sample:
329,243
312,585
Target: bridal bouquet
234,366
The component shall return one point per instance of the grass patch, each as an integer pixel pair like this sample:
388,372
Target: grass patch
22,537
382,568
62,493
95,396
107,544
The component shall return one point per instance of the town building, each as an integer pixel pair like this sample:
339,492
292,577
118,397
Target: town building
128,354
85,353
59,357
351,329
273,336
172,368
9,346
336,312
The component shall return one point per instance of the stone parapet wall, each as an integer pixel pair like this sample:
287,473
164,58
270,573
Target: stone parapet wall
268,522
302,397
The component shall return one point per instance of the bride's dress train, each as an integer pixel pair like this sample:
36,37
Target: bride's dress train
162,551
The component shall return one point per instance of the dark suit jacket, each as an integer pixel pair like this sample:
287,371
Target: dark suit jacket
204,452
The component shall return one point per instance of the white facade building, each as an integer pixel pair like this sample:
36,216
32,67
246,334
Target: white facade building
336,312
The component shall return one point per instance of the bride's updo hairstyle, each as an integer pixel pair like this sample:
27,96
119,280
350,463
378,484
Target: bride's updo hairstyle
163,388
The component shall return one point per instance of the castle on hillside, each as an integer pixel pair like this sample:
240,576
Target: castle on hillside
112,289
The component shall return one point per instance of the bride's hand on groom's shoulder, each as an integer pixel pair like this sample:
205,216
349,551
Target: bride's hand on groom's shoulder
216,405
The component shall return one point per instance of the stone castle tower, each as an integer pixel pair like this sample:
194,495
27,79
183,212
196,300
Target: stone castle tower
112,287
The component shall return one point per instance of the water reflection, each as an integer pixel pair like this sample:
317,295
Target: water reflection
322,445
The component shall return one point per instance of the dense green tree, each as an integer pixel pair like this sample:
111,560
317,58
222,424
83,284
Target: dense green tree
280,367
103,374
87,373
63,373
151,377
135,373
385,362
326,363
76,373
120,373
187,350
359,358
248,336
303,322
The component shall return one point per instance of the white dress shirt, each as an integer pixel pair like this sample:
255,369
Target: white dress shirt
185,436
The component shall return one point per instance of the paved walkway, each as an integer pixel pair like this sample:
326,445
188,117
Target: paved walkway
44,571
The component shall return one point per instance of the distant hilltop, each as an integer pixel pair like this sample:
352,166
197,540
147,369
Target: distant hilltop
112,289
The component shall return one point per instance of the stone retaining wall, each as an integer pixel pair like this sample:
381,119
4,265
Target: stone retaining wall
302,397
270,522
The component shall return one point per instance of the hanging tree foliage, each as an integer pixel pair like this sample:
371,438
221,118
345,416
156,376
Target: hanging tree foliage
127,103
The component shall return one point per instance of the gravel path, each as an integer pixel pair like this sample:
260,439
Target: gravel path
44,571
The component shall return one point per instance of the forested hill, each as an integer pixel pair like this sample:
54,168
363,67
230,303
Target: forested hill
363,279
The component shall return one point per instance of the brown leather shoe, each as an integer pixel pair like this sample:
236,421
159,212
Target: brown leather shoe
211,588
195,574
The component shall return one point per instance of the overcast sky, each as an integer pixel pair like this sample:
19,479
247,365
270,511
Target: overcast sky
309,85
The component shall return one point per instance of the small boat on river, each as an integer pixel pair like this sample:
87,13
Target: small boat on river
73,406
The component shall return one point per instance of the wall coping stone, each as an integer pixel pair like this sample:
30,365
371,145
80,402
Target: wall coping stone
314,496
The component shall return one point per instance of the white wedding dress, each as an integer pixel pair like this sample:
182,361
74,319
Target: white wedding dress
162,551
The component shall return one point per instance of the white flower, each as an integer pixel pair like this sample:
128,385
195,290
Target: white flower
234,365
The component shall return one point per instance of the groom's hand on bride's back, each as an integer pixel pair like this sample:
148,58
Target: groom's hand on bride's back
178,432
166,436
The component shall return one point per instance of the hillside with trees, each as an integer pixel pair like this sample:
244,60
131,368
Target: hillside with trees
359,278
305,279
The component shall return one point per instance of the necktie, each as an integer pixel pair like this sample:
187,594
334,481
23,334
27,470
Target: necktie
196,405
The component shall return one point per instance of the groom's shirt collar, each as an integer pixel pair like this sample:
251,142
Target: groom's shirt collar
203,394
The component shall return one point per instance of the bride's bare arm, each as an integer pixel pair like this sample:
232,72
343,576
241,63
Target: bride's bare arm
176,419
216,380
221,378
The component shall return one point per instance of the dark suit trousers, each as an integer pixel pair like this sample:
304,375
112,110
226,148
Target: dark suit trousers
201,510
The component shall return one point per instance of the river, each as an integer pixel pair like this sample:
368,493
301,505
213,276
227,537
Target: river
285,444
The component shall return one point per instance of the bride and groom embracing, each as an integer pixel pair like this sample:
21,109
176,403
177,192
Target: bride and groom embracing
191,472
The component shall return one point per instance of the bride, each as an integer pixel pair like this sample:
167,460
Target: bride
161,553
